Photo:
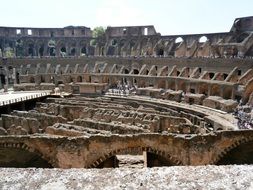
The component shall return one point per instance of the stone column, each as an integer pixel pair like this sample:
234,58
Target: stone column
233,93
209,90
15,75
6,79
222,91
176,85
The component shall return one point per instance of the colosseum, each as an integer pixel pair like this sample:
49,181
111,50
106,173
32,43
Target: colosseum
69,100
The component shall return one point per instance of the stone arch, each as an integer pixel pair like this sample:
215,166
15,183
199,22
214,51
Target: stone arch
83,48
83,51
72,51
235,153
203,39
132,47
114,42
179,40
121,46
30,46
126,71
51,48
159,48
172,161
32,156
72,46
240,38
136,72
32,80
143,45
79,79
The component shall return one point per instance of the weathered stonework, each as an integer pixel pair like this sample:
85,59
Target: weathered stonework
133,92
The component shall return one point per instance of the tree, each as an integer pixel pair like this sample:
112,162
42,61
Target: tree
98,33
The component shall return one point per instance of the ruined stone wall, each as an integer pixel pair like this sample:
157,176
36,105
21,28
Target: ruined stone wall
126,41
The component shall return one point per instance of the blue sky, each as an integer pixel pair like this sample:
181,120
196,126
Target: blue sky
168,16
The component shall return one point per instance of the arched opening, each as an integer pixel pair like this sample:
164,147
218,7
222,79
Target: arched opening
73,52
42,79
52,51
2,78
179,40
136,71
83,51
32,80
133,158
126,71
63,51
211,75
19,158
51,48
17,77
79,79
145,31
41,51
241,37
114,42
225,75
31,50
203,39
160,52
242,154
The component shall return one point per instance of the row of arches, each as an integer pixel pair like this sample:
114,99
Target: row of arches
23,157
146,46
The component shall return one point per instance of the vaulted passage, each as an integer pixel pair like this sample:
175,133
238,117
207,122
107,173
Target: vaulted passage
136,160
18,158
243,154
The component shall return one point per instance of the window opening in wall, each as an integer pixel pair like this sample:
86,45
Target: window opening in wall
200,70
145,31
203,39
136,72
191,100
239,72
29,32
18,31
211,75
179,39
41,51
192,90
124,30
83,51
225,76
114,42
178,73
52,34
73,32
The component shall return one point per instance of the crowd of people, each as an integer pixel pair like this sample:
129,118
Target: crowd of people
121,89
244,115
